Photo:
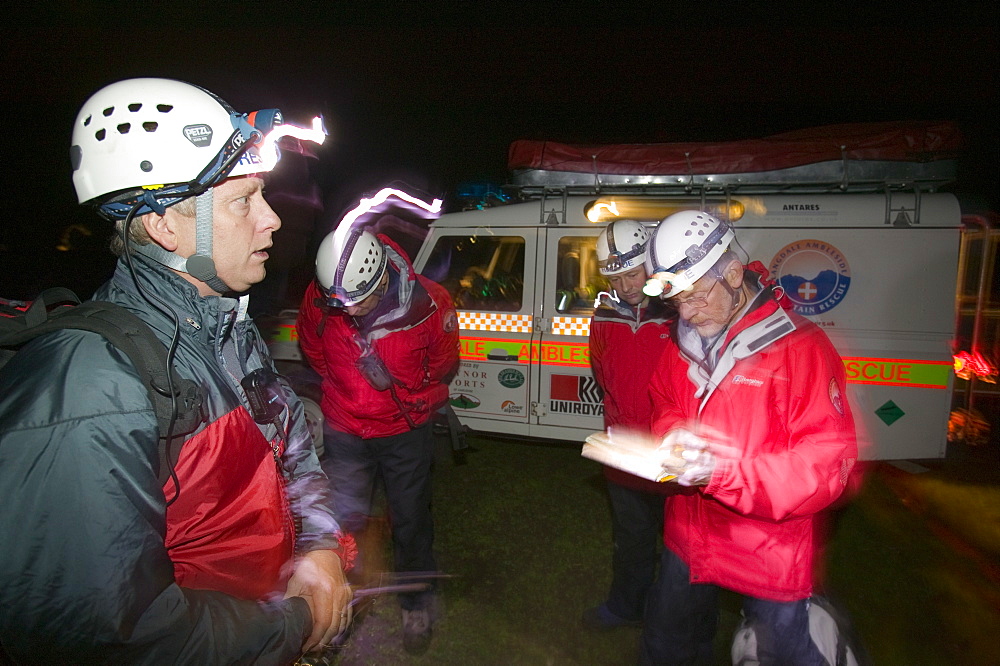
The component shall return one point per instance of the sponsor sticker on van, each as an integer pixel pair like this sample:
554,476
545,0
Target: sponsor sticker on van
463,401
572,394
511,378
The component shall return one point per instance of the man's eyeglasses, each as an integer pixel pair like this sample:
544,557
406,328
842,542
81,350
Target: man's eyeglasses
694,301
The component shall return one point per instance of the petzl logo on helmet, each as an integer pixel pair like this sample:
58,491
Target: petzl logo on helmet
814,274
199,135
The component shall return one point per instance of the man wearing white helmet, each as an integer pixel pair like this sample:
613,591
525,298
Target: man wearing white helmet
385,342
752,398
235,558
628,332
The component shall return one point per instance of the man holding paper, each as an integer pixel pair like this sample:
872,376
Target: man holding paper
627,335
750,398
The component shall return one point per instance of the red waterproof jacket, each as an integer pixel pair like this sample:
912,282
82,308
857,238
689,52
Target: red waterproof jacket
625,345
776,404
417,341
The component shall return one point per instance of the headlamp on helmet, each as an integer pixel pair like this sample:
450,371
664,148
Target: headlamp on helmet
658,283
621,247
684,246
153,142
351,262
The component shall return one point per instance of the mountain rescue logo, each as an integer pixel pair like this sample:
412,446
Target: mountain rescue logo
572,394
814,274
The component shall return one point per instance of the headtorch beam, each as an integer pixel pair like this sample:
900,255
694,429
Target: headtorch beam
367,205
269,149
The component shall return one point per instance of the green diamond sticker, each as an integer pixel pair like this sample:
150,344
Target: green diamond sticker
889,413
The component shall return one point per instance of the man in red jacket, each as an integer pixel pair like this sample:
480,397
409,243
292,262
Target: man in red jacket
751,399
628,332
385,341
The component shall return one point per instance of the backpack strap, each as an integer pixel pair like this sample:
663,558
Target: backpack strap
136,340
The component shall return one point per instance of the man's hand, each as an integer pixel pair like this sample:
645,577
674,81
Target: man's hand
698,467
319,579
689,460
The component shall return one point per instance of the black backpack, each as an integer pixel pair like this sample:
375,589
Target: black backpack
59,308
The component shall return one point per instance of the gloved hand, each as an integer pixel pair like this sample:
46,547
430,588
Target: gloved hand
699,467
690,460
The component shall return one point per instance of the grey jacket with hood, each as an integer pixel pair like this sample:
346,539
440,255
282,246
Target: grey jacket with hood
85,575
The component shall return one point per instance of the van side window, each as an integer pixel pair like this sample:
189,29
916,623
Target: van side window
480,272
577,279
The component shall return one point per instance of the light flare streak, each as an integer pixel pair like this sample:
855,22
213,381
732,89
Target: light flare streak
611,295
269,150
367,205
595,215
975,364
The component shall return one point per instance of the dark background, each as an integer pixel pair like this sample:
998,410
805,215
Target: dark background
432,94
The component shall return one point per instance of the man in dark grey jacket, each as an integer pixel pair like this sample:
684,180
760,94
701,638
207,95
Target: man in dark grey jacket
236,559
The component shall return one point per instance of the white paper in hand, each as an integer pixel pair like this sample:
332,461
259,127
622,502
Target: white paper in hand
633,452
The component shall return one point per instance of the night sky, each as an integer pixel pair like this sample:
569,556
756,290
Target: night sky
433,94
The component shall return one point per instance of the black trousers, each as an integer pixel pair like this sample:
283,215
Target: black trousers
637,533
681,619
405,463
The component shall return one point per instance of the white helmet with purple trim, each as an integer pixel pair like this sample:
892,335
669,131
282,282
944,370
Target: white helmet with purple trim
350,266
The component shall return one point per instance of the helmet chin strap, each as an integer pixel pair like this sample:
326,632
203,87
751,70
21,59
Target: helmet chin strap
200,264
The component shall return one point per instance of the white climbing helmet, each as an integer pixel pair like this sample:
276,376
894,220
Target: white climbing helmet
621,247
350,266
683,247
161,136
142,145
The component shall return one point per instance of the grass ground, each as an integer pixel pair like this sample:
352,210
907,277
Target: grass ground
524,531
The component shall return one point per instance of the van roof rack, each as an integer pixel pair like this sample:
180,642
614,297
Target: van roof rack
859,158
820,178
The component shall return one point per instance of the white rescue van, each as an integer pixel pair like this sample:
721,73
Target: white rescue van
866,248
